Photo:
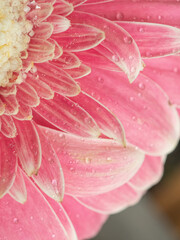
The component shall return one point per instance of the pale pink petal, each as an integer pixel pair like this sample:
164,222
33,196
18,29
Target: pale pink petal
118,45
112,201
57,79
64,218
93,166
30,220
86,222
28,146
58,51
5,91
40,50
166,73
80,37
43,31
60,23
150,122
94,59
165,12
11,104
76,2
63,8
42,89
154,40
50,177
40,13
79,72
8,164
27,95
18,190
67,61
68,116
8,127
150,173
45,1
2,107
24,112
109,125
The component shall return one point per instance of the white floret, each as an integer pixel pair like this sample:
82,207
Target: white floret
14,39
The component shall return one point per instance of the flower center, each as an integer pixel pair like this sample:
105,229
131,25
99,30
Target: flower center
14,39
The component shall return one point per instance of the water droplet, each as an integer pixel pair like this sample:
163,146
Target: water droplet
134,118
128,40
115,58
141,86
15,220
53,235
175,69
141,29
54,182
119,16
131,99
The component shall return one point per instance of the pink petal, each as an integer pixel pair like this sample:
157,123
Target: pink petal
29,220
94,59
57,79
93,166
18,189
8,164
67,61
86,222
154,40
40,50
2,107
24,113
42,89
76,2
107,122
58,51
8,127
60,23
165,12
28,146
118,45
79,72
39,14
5,91
166,73
150,122
50,177
11,104
150,172
63,8
80,37
64,218
27,95
112,201
43,30
68,116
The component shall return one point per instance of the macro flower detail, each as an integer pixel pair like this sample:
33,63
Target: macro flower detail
89,92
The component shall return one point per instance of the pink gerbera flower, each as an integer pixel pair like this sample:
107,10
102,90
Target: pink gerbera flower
78,140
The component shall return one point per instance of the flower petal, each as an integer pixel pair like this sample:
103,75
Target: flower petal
18,190
79,37
28,146
57,79
39,14
43,31
68,116
50,177
60,23
8,164
166,73
63,8
150,122
93,166
107,122
165,12
29,220
112,201
8,127
154,40
118,45
11,104
24,113
150,172
67,61
27,95
86,222
79,72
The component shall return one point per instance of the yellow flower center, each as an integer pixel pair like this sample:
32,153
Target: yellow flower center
14,39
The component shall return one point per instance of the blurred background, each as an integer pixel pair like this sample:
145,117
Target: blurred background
157,216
